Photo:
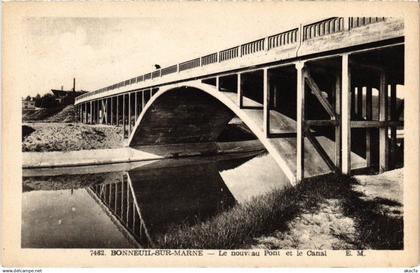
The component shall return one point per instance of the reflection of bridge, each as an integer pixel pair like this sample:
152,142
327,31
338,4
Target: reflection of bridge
118,198
307,93
146,201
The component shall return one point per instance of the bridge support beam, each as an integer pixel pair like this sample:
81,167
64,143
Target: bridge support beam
123,115
240,91
346,103
104,111
83,112
368,110
129,113
266,103
98,109
300,119
117,112
135,106
111,110
91,113
94,112
383,116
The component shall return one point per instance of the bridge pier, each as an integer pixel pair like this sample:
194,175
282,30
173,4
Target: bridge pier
135,106
111,110
266,101
91,112
383,116
300,117
123,114
239,89
346,103
129,114
116,109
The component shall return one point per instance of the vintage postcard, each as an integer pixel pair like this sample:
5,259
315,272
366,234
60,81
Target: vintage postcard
235,134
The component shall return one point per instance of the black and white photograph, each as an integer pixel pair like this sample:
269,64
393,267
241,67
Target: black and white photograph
240,130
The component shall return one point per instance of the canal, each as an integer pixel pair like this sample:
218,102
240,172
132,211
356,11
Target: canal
131,205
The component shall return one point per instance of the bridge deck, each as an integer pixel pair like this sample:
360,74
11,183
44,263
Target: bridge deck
321,38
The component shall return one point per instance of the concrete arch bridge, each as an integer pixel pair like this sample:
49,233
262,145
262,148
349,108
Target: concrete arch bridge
322,97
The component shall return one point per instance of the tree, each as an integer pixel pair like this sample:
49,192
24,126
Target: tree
37,100
28,98
48,101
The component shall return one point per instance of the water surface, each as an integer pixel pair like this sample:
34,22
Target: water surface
132,207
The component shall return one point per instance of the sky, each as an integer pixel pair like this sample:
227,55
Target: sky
100,51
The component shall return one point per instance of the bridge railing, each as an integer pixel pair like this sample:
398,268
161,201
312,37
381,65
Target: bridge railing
355,22
140,78
229,54
156,74
322,28
209,59
190,64
169,70
310,31
252,47
284,38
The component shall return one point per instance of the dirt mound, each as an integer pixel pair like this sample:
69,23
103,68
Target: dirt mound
71,137
68,114
40,114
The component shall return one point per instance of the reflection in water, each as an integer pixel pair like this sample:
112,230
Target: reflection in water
134,207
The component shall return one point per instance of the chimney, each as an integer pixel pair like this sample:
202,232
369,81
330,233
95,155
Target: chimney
61,88
74,84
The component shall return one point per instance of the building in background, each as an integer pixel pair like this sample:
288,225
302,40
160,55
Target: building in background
66,97
28,104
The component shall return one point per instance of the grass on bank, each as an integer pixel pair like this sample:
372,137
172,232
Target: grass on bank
238,227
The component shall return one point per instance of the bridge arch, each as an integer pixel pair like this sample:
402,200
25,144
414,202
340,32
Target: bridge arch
204,109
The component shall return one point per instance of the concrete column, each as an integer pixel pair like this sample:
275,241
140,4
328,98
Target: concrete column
345,115
217,84
91,113
300,119
129,113
266,106
117,113
98,114
84,113
94,112
240,90
368,130
353,102
106,110
151,93
112,109
123,114
135,106
383,116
